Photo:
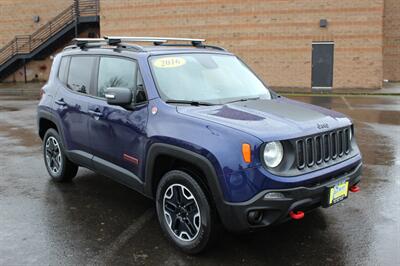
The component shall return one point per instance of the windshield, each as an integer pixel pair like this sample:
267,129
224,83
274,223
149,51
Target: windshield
212,78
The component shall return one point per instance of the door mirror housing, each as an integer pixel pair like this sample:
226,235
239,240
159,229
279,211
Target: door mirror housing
118,96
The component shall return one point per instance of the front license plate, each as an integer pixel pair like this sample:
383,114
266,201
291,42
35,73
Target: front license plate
338,192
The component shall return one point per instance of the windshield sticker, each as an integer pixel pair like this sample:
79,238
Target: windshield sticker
168,62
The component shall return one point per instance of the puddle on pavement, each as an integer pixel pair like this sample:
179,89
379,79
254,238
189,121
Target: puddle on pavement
363,109
26,137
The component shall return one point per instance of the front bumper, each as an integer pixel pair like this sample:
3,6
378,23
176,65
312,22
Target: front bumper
235,215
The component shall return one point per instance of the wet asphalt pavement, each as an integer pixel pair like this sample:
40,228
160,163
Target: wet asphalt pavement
94,220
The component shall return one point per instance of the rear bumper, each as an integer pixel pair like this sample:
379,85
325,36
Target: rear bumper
235,215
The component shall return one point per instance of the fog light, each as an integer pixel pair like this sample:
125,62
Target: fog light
255,217
274,195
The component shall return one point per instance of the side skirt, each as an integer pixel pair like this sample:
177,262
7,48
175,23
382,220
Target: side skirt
107,168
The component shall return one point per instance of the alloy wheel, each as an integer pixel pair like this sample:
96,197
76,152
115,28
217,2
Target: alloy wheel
181,212
53,155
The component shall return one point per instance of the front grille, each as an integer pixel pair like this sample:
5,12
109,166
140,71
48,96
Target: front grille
315,150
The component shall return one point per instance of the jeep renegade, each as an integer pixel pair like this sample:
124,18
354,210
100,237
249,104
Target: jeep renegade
192,127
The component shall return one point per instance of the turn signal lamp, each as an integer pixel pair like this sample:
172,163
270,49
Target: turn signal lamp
246,152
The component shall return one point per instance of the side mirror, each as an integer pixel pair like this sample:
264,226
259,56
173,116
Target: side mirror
118,96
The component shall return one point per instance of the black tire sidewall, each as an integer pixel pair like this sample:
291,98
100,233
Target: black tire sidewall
200,242
53,133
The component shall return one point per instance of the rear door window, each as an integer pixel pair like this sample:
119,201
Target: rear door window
80,73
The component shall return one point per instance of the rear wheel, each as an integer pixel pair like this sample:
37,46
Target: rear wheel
57,164
184,212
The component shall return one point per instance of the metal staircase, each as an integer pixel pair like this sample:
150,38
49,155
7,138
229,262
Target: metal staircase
40,43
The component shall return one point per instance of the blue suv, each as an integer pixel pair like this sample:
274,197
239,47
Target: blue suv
192,127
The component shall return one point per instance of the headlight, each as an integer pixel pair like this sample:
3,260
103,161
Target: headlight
273,154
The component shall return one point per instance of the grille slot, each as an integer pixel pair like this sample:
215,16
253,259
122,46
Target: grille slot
347,140
340,143
310,151
322,148
333,145
327,147
300,154
318,149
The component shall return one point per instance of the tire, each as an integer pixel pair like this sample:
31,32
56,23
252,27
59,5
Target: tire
203,225
59,167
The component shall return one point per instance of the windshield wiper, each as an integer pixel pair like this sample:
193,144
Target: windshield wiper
194,103
245,99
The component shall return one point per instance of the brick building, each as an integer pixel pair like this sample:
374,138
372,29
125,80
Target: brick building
344,44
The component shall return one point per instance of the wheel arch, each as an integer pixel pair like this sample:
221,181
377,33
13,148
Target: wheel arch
167,152
45,121
44,125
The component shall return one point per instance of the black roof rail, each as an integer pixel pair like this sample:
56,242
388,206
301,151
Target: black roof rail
72,46
131,47
215,47
192,45
82,42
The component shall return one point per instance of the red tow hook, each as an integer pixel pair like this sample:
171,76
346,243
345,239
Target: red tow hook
296,215
355,189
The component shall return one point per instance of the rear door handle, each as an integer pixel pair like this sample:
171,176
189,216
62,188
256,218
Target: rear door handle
95,113
61,102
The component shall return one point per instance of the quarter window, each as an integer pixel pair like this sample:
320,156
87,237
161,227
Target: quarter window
116,72
80,72
63,71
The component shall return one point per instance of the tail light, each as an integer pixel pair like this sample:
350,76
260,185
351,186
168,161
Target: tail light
42,92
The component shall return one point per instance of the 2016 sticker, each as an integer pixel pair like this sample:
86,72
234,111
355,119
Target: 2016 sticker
169,62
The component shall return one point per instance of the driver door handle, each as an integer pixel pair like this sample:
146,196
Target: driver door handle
95,113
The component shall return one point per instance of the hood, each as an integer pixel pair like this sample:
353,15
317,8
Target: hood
275,119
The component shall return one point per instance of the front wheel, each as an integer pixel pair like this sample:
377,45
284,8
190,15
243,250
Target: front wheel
185,214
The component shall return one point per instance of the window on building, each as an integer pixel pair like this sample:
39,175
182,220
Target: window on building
80,72
116,72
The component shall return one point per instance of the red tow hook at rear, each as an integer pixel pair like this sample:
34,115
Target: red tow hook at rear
355,189
296,215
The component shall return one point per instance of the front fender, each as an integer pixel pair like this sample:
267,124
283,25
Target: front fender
219,144
194,158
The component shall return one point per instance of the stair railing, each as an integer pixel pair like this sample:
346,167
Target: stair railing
25,44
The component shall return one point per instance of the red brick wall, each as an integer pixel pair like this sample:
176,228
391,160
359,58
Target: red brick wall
273,36
392,40
16,16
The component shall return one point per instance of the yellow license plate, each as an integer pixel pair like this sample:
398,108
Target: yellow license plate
338,192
